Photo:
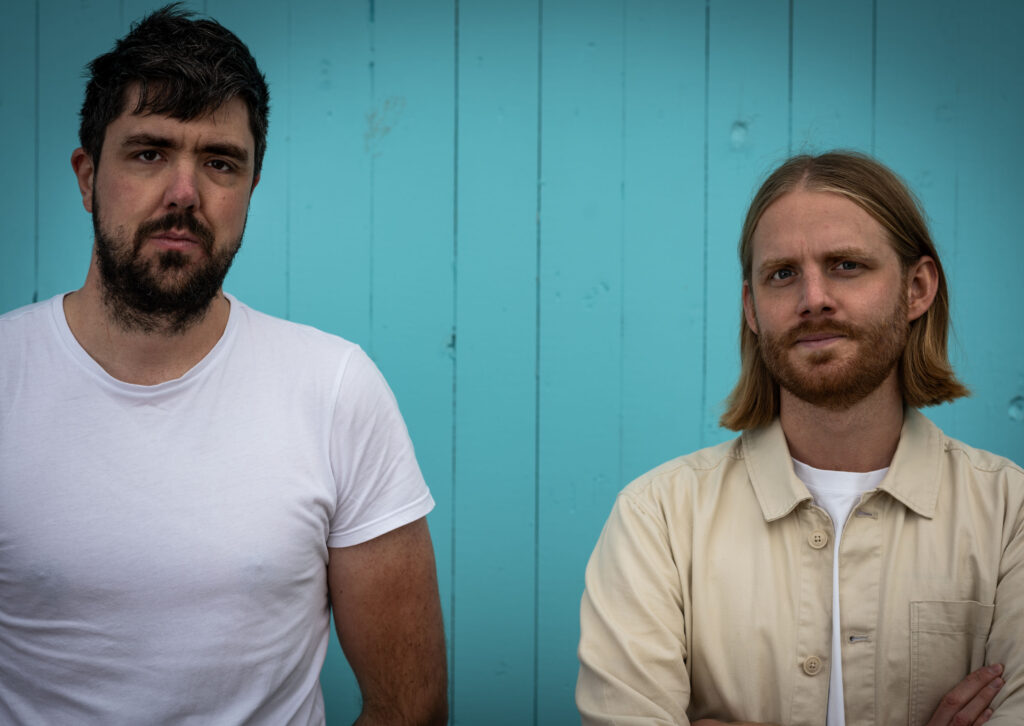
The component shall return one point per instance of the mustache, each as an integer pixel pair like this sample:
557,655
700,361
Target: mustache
176,220
821,327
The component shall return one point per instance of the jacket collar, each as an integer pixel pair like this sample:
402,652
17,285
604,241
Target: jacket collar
913,476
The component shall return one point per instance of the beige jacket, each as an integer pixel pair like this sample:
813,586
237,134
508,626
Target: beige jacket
709,593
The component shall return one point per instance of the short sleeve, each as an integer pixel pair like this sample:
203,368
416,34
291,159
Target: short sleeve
378,481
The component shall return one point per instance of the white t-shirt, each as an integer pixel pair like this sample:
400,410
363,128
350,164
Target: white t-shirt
837,492
163,549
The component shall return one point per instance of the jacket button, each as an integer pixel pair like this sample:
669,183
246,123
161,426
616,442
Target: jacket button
818,539
812,665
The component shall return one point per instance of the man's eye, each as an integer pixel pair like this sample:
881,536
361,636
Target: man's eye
148,155
780,275
220,165
848,266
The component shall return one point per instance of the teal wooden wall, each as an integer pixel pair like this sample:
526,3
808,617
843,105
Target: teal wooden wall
527,212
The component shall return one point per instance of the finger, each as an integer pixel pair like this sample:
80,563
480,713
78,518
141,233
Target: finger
975,710
964,694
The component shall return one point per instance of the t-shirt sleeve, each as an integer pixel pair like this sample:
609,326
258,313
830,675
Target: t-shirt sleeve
378,481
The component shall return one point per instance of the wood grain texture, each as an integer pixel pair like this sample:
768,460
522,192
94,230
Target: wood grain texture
580,454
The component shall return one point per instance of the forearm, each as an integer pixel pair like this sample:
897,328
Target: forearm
432,711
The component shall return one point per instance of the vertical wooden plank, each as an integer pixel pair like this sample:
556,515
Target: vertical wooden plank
987,255
329,167
748,134
259,275
832,75
580,320
329,208
495,459
70,35
663,242
915,130
411,137
916,102
18,35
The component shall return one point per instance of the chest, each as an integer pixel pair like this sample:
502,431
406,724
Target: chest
916,602
107,500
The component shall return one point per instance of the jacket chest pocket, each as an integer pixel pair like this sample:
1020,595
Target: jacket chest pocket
947,641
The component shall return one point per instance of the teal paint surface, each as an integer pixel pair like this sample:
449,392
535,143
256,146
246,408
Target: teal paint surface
495,395
527,213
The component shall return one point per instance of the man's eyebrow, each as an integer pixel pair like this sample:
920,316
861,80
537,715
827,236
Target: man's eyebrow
217,148
848,253
160,142
223,148
772,263
837,253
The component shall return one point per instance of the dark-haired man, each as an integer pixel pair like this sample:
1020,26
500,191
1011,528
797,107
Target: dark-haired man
841,562
187,484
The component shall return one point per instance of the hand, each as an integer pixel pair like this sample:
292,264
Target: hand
967,704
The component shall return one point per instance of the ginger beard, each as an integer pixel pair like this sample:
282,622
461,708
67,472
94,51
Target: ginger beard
819,377
159,293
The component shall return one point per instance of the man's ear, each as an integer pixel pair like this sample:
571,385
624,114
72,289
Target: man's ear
255,181
922,286
85,172
748,307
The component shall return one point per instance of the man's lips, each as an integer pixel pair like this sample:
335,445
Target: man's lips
174,239
818,340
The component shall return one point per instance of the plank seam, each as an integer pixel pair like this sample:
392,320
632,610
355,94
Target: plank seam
874,70
704,291
789,100
536,364
454,349
35,210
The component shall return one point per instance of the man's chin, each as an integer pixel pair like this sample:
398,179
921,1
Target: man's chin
169,260
160,299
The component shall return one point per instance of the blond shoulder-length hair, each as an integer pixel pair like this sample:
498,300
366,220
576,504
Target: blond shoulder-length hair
925,374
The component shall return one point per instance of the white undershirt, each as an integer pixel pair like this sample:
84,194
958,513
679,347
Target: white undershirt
837,492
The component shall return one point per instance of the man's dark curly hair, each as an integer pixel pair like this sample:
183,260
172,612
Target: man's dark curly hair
183,68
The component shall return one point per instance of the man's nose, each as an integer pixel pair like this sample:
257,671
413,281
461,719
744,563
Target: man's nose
816,294
182,188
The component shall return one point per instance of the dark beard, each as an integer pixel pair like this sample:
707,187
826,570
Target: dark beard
142,295
880,347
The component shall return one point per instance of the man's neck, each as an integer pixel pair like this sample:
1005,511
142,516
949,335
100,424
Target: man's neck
134,355
861,438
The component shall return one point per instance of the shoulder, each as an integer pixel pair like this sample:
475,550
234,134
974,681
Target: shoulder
958,455
28,317
284,334
981,460
26,332
982,463
705,469
299,350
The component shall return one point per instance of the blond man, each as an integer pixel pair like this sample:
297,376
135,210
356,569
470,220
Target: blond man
843,561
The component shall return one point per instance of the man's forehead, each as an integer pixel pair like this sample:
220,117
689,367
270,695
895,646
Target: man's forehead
229,121
820,218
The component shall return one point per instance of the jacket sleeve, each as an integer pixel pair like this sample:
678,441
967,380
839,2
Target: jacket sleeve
632,651
1006,637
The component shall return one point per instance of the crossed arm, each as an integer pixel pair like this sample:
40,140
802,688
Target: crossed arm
967,704
388,615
